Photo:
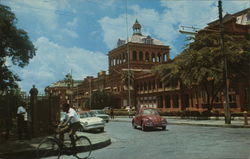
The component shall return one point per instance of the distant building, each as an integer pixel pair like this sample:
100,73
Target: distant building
64,90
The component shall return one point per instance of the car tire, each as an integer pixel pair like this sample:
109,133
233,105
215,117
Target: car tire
143,127
164,128
134,126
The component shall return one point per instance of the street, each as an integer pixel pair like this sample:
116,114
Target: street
178,142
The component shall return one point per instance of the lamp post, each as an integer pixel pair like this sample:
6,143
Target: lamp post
225,72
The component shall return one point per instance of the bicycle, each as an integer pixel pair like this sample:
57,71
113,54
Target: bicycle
53,146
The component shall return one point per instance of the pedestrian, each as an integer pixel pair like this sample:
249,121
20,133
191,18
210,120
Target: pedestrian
129,112
112,113
21,118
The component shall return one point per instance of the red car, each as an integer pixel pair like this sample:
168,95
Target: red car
148,118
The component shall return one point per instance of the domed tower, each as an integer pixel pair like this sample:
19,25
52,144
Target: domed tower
137,28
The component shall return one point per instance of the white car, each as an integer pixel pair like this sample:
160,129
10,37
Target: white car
91,122
100,114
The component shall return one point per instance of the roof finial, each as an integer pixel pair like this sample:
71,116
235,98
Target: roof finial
137,28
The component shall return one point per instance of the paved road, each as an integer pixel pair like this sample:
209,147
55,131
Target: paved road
178,142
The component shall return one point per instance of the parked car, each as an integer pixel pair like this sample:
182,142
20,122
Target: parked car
90,121
106,110
148,118
101,114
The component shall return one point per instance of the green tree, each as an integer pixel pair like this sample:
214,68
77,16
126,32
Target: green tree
69,80
101,99
127,76
15,45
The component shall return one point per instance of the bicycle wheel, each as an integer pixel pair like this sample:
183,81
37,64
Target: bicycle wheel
48,147
83,147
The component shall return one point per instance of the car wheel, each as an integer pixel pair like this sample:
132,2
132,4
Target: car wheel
164,128
134,126
143,127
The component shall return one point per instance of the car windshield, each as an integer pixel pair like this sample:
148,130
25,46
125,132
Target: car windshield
86,115
150,112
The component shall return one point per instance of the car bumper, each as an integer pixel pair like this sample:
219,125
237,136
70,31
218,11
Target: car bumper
94,126
155,125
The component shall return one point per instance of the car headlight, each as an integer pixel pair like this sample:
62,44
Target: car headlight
84,123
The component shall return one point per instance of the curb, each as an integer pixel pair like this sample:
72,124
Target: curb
29,154
191,124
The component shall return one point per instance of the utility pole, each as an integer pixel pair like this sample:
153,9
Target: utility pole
128,55
227,112
90,94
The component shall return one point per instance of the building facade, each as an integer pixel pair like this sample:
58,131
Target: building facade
130,78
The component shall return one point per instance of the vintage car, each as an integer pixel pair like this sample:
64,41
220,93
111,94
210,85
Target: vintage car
148,118
90,121
100,114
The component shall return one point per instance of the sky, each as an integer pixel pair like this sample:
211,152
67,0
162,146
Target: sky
76,35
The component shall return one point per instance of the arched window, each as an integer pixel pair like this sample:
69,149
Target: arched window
120,59
160,84
111,62
167,101
140,56
124,57
134,56
145,86
176,101
159,57
165,57
153,84
153,57
147,57
116,61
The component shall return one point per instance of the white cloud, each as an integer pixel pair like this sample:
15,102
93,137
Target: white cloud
165,24
73,23
53,62
70,33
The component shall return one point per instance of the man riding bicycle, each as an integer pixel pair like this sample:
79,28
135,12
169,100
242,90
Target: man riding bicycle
70,124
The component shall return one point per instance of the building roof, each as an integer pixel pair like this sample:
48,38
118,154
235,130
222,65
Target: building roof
229,17
65,84
143,39
138,37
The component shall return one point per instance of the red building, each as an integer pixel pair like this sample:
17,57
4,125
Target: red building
140,53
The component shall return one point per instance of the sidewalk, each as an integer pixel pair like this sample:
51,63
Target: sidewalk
27,148
237,123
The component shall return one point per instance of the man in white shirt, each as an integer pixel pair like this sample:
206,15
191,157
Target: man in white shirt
21,112
70,124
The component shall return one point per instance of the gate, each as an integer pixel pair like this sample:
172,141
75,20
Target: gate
45,113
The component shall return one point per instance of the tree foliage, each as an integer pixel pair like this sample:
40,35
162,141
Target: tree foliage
15,46
100,99
127,77
201,63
